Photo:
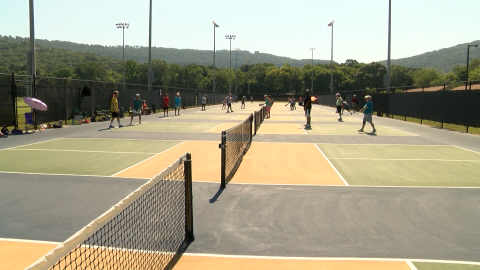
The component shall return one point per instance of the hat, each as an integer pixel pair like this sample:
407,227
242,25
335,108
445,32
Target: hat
368,96
137,95
337,94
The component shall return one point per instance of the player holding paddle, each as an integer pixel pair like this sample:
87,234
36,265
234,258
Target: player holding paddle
136,109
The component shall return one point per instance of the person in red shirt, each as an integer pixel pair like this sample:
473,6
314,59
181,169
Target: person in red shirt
354,103
166,103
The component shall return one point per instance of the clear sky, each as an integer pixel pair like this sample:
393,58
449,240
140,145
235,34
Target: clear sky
281,27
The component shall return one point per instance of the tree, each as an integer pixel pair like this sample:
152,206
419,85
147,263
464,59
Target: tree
63,73
426,76
90,71
371,75
401,76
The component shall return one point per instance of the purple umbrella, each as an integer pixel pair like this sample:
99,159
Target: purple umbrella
36,104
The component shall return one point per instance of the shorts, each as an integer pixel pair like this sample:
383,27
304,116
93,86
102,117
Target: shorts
354,105
165,108
136,112
203,104
307,112
229,105
367,117
268,108
339,108
115,115
177,108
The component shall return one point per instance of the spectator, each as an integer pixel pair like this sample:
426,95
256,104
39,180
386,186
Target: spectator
178,103
354,103
166,104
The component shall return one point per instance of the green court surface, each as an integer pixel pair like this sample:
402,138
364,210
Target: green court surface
445,266
403,165
352,130
101,157
169,126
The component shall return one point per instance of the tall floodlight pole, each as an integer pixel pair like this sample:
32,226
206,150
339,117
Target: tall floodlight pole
214,26
32,39
123,26
386,81
230,37
331,60
150,71
311,91
236,67
248,75
468,57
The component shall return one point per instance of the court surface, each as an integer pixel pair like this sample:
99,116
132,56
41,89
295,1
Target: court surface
329,197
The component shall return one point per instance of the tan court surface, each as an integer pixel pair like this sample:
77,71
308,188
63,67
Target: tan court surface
206,168
268,128
219,263
279,118
20,255
302,164
221,127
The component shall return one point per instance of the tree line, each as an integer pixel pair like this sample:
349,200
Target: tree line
258,78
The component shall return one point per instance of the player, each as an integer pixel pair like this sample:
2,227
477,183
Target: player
115,110
136,109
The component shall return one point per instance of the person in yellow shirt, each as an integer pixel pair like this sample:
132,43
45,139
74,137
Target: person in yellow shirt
115,110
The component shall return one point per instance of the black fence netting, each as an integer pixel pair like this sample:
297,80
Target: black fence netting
7,105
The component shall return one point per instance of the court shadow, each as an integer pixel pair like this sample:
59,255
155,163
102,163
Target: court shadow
371,134
215,197
178,255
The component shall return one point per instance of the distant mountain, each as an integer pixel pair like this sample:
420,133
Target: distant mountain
178,56
443,59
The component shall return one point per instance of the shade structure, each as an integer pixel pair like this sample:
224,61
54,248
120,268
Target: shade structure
36,104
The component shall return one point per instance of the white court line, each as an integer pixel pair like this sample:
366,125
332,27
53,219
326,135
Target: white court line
400,131
110,139
29,241
64,174
214,127
303,129
326,258
81,151
466,149
408,159
30,144
411,265
113,175
349,186
341,177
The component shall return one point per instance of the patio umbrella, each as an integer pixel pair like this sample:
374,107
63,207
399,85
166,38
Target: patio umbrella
36,104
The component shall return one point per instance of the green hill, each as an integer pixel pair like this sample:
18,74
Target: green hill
443,59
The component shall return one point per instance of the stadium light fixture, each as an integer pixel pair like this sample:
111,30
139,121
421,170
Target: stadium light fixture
123,26
230,37
215,25
331,59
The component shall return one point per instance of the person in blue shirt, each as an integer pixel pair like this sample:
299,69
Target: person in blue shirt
367,113
136,109
178,103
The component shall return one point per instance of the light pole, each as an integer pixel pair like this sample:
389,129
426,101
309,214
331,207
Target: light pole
331,60
236,67
123,26
150,71
468,56
230,37
386,81
248,75
311,91
214,26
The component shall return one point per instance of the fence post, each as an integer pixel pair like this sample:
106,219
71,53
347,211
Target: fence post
188,198
34,93
441,111
468,107
421,107
14,99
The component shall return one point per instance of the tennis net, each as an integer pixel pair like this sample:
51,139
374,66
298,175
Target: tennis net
235,143
259,116
147,230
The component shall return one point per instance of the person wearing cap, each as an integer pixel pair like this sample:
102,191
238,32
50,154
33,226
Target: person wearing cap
166,104
307,106
136,109
339,104
268,105
367,113
354,103
178,103
204,102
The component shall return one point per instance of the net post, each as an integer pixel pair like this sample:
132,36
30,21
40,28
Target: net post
251,127
223,159
188,198
255,116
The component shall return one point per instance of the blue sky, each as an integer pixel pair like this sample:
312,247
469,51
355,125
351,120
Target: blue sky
283,28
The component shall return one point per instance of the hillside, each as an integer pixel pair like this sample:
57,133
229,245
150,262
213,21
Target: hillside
443,59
